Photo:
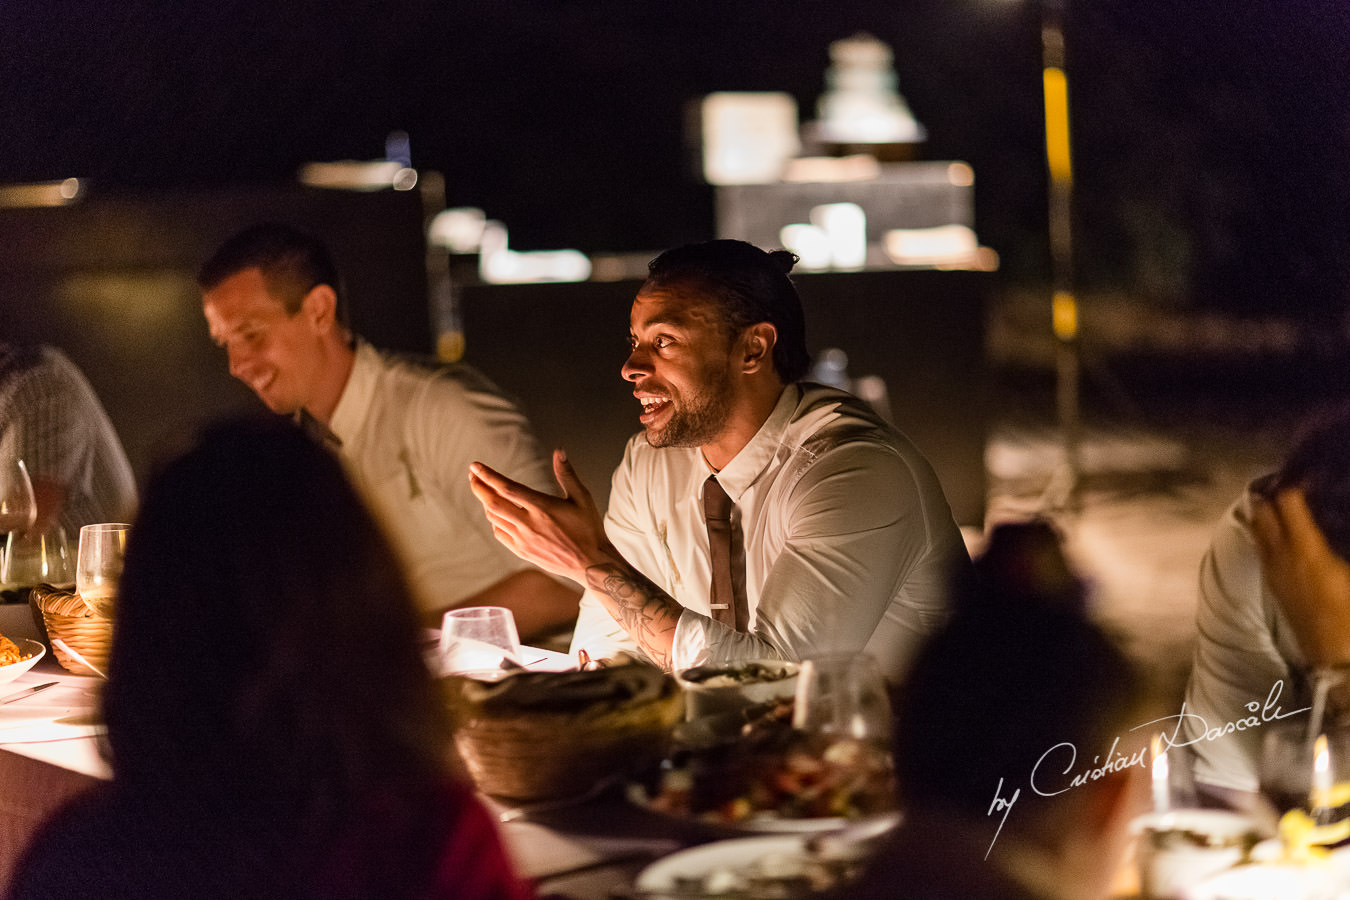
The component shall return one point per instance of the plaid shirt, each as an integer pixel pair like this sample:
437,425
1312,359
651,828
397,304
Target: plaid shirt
51,418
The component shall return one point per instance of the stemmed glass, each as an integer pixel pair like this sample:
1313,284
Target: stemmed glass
479,640
843,696
1305,771
842,710
35,557
98,566
18,509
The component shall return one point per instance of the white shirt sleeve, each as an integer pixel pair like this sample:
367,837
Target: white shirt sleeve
451,423
1244,649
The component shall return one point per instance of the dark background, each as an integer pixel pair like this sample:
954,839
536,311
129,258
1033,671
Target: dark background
1211,139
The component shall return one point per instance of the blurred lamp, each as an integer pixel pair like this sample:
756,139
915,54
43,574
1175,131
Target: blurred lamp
351,175
45,193
748,137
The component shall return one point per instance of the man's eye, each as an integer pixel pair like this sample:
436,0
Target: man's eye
662,342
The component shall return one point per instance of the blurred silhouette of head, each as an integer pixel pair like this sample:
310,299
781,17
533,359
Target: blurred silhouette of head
1320,464
265,638
1018,669
749,286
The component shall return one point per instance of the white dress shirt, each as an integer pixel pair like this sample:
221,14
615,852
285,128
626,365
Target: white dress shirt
1244,648
408,432
849,541
51,418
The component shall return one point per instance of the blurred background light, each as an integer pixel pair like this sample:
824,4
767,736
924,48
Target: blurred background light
748,137
45,193
352,175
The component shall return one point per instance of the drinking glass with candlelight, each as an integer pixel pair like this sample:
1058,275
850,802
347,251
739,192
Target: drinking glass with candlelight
1299,770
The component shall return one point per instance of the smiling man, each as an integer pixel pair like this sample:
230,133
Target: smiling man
755,515
405,431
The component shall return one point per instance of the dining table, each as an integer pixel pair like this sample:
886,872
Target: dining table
587,848
594,847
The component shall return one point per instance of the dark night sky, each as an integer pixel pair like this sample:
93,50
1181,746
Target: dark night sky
1212,140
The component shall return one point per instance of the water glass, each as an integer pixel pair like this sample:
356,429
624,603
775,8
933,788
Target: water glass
479,640
843,696
98,566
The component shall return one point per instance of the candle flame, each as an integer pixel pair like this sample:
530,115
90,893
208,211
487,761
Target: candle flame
1321,777
1160,779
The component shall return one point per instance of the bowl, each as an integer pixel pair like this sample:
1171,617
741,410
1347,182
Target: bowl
529,737
14,670
716,689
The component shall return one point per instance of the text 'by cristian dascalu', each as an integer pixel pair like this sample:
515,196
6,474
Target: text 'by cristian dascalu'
1058,770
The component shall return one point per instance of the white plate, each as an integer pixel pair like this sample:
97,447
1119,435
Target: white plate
14,670
699,862
778,825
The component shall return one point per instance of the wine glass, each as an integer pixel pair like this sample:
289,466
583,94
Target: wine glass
843,696
37,557
98,566
18,509
479,641
842,712
1291,775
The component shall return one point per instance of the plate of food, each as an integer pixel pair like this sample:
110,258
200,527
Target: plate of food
768,777
15,659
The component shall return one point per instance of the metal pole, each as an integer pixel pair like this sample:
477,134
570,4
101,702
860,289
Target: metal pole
1064,304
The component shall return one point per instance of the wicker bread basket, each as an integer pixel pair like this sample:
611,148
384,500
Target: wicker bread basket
67,617
536,736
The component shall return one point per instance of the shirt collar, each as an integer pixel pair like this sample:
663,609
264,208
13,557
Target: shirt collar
746,466
357,393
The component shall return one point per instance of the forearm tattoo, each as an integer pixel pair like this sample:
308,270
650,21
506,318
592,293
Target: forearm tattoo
646,612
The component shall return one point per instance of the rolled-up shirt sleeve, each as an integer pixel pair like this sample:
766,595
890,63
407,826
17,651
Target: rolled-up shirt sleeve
1244,649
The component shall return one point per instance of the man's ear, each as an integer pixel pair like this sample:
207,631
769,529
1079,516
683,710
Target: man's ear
319,306
757,343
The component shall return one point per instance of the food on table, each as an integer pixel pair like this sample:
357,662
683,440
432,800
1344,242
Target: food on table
770,770
10,653
731,676
713,689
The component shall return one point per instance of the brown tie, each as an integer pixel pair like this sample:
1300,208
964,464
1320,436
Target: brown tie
728,559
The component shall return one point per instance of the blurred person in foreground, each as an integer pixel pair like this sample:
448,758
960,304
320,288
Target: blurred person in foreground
1274,608
271,726
405,431
51,418
841,540
1018,692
